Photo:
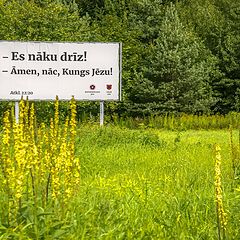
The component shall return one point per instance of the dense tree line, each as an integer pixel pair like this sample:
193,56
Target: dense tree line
178,56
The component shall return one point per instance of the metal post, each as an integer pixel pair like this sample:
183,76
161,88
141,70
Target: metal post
101,113
17,112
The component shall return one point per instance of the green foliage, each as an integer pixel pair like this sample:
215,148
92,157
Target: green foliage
126,183
53,21
168,183
177,71
180,122
178,56
217,23
117,136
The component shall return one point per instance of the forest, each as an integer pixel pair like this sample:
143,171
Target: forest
177,56
167,163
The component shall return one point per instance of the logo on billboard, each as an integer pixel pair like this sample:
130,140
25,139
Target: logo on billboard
92,87
109,86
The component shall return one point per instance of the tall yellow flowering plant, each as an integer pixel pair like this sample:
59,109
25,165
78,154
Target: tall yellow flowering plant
38,164
221,214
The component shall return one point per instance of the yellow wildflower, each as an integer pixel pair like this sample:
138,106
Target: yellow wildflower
222,216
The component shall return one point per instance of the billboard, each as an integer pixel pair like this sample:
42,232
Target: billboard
44,70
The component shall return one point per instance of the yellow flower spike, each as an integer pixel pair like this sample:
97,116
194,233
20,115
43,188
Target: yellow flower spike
221,215
6,129
64,158
73,123
56,117
31,151
46,150
12,117
21,111
19,161
32,121
41,148
7,165
70,166
26,115
52,158
51,128
47,158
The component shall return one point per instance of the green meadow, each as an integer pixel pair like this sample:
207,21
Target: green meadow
141,184
154,184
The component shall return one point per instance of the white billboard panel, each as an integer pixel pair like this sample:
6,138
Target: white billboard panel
44,70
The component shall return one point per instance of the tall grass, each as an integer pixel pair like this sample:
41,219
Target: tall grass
179,122
113,182
144,190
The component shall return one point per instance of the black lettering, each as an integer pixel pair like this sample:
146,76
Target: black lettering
97,71
80,58
17,57
75,72
15,71
63,56
27,93
31,57
50,71
42,56
65,71
16,92
74,57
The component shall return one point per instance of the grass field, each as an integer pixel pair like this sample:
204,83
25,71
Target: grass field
147,184
138,184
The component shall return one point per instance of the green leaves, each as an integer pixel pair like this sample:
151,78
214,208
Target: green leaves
177,57
217,23
177,70
51,22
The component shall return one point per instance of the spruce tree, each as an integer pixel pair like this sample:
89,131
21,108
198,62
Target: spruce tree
178,71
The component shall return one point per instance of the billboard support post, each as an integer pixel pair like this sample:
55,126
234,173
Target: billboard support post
101,113
16,111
